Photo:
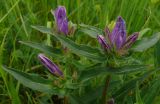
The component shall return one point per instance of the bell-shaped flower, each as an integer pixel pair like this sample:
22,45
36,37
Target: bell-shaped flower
53,68
118,36
61,19
62,24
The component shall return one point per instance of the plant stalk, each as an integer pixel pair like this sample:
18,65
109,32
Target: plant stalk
106,85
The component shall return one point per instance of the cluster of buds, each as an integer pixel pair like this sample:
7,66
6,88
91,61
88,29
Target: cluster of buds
62,24
117,40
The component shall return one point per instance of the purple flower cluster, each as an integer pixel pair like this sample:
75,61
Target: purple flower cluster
117,39
53,68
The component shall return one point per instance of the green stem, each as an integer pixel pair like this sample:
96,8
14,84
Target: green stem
104,93
65,100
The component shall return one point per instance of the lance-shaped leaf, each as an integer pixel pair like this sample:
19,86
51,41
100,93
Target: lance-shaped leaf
83,50
32,81
94,71
90,30
143,32
54,52
146,43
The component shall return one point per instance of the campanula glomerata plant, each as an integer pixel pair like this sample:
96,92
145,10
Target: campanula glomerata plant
86,74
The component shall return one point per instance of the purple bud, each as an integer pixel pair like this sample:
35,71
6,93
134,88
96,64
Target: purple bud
120,40
103,42
61,19
131,39
118,36
53,68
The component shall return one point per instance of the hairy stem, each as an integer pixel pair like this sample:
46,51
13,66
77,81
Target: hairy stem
65,100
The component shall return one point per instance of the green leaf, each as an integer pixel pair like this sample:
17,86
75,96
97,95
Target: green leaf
138,95
157,55
86,98
129,86
82,50
90,30
74,100
56,53
125,88
43,29
146,43
94,71
32,81
70,85
152,92
143,32
95,93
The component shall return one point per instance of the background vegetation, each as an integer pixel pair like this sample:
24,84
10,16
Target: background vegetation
17,16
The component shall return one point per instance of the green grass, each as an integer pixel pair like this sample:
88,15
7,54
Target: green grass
17,16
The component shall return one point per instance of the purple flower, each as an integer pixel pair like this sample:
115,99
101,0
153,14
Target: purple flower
53,68
103,42
118,36
117,39
131,39
61,19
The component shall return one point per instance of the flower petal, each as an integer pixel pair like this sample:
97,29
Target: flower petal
131,39
118,36
119,41
103,42
53,68
61,19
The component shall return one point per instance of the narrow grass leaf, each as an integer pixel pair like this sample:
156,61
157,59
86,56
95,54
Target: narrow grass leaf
152,92
143,32
138,95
